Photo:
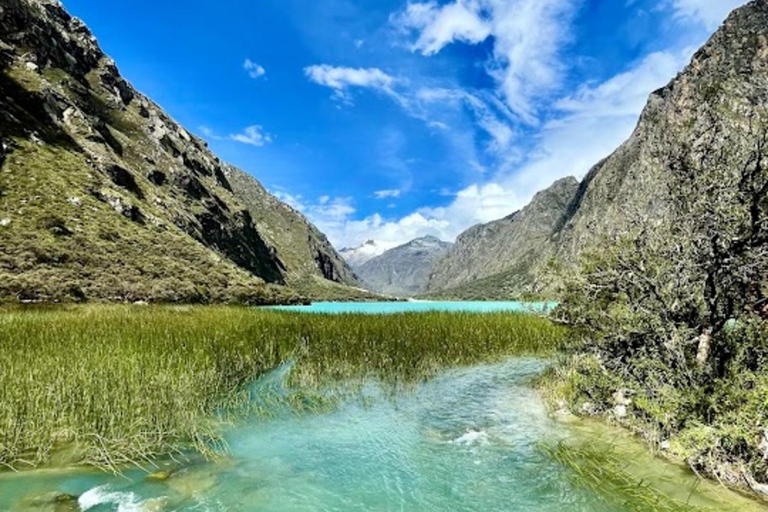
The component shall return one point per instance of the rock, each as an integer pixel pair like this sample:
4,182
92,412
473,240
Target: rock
155,505
161,475
763,446
588,409
620,411
620,397
5,222
123,178
75,201
565,416
51,502
142,303
157,177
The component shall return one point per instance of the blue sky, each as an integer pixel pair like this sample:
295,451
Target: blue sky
389,119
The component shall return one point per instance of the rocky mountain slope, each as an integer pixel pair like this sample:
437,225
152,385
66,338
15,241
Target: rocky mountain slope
725,87
505,255
104,196
403,271
358,256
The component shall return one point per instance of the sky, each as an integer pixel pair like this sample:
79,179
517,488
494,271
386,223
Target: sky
395,119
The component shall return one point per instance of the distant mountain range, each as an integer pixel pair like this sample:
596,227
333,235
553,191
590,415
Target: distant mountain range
105,197
403,271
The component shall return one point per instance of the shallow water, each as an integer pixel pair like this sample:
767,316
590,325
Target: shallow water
468,440
383,308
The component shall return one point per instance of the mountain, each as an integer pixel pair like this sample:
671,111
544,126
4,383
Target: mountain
104,196
403,271
504,255
358,256
313,266
724,90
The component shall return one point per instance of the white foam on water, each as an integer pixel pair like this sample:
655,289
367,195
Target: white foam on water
471,438
125,501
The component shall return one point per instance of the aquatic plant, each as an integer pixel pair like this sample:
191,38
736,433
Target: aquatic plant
116,385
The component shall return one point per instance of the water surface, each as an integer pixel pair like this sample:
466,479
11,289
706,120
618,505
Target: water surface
468,440
419,307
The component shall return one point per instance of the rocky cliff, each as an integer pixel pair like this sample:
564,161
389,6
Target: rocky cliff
505,255
722,91
403,271
104,196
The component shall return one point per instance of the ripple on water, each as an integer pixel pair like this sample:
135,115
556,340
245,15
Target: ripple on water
465,441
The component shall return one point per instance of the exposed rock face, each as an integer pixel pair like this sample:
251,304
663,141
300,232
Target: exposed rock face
519,242
403,271
305,251
155,216
724,87
358,256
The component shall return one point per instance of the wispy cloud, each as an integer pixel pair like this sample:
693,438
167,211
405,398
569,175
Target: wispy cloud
208,133
253,136
528,38
387,194
342,79
439,26
709,13
253,69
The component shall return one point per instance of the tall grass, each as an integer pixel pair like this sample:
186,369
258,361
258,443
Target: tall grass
114,385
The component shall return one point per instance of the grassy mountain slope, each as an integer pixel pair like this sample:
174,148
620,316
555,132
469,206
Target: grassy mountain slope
104,196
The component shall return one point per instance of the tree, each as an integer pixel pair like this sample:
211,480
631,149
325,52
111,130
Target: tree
671,281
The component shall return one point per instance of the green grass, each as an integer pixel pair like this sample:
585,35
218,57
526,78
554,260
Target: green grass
114,385
54,250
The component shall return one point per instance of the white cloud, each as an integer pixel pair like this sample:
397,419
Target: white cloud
528,36
208,133
710,13
385,194
440,26
626,93
253,136
253,69
341,79
590,124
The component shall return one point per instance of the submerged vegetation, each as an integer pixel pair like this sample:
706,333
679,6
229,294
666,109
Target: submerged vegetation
115,385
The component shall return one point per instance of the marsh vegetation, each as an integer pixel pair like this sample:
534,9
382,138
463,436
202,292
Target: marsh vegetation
116,385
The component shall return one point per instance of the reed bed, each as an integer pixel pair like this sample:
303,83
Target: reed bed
116,385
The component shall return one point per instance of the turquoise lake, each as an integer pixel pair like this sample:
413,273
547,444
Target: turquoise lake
380,308
468,440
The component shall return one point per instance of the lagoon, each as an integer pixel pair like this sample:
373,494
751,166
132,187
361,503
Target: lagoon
418,306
